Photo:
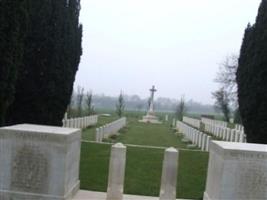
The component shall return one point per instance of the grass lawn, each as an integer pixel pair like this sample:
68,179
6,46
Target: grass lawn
143,170
148,134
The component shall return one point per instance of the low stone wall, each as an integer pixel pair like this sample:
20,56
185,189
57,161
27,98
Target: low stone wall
80,122
109,129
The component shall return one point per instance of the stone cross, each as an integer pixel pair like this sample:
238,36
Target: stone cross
151,107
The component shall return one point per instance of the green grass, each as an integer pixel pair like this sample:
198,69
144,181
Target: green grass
94,166
148,134
143,165
143,170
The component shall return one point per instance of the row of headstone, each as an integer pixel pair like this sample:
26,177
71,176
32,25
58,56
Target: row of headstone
109,129
193,122
224,133
80,122
198,138
213,122
117,173
239,127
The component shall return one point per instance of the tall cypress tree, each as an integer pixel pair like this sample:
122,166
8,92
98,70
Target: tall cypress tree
51,57
12,21
252,78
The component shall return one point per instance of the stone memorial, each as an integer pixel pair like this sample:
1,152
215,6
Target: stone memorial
39,162
236,171
151,117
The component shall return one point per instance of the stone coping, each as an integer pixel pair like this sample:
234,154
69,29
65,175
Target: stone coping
41,129
91,195
241,146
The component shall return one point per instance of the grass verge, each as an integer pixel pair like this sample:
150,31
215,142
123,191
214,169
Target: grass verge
143,170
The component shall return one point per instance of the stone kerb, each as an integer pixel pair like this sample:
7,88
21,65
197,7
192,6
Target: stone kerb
236,171
116,172
169,175
39,162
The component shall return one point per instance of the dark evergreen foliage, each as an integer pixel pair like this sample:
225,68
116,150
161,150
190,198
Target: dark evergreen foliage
12,25
222,102
252,78
52,51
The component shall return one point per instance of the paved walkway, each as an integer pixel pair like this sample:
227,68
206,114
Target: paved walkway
89,195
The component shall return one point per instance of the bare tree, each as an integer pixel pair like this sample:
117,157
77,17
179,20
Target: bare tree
120,105
222,102
89,99
80,94
180,109
226,77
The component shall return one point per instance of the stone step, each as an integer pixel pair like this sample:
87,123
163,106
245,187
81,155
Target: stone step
91,195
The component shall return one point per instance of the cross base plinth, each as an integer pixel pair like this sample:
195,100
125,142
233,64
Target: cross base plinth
150,119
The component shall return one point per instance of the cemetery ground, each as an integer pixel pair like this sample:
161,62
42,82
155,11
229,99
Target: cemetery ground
144,162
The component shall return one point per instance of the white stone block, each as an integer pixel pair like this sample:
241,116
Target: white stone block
207,143
39,162
203,143
169,175
116,172
236,171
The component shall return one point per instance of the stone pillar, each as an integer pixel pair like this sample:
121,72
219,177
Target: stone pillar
116,172
169,175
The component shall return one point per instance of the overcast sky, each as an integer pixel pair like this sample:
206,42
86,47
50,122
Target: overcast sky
176,45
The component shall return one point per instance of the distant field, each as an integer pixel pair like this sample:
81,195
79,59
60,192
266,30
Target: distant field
143,170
